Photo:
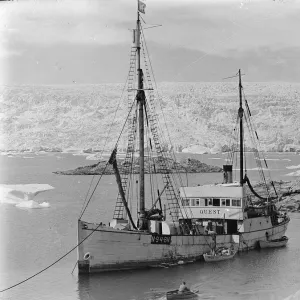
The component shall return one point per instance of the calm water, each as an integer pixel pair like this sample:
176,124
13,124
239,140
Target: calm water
31,239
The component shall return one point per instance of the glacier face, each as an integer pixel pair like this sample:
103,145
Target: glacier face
203,115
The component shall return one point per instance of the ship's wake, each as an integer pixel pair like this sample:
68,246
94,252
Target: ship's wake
22,195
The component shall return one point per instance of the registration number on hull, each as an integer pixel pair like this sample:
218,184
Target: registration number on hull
161,239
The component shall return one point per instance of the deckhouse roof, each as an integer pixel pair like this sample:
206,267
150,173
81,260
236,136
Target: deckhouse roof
231,190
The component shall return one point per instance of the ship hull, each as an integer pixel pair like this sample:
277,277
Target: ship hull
106,249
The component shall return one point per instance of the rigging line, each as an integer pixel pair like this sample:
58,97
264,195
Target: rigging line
108,160
151,69
213,49
106,140
236,75
93,191
257,158
256,153
134,126
149,158
259,145
152,25
153,118
230,153
163,155
55,262
154,177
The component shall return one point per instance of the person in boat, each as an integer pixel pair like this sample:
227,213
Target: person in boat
182,288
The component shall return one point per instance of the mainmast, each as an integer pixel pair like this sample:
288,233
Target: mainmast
140,97
241,113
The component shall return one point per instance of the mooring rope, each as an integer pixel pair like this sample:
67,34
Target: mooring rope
55,262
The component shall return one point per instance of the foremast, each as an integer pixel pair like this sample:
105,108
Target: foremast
140,97
143,133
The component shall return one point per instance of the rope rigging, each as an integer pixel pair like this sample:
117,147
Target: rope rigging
258,155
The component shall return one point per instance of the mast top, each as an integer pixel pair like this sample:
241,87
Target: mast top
141,8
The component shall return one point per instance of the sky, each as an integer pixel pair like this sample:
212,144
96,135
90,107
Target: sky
89,41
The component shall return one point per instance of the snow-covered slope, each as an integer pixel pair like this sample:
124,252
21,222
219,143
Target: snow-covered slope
199,115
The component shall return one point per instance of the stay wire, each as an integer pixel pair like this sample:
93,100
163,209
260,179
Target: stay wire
158,123
106,140
66,254
108,160
55,262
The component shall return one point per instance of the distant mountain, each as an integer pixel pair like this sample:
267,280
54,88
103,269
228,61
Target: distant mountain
198,116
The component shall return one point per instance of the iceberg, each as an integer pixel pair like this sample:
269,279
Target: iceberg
22,195
296,173
293,167
32,204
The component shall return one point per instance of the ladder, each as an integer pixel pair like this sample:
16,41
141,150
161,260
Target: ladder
172,198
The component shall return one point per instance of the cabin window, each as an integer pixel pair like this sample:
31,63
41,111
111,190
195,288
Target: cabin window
216,202
185,202
236,202
210,202
203,202
197,202
225,202
192,202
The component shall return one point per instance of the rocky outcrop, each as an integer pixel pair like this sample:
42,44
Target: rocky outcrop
184,166
288,194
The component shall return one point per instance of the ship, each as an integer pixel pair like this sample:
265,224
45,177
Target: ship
158,220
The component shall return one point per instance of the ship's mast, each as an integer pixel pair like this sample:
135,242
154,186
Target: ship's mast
241,114
141,102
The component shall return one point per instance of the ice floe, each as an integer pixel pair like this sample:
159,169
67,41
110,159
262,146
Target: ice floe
22,195
293,167
32,204
296,173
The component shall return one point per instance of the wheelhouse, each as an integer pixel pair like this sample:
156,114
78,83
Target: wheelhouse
218,208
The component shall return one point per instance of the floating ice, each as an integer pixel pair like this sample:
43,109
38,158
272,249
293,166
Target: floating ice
293,167
270,159
297,173
23,193
92,157
32,204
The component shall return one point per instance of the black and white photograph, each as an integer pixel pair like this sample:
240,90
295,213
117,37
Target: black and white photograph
149,149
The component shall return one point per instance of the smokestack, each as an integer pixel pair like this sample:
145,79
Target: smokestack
227,173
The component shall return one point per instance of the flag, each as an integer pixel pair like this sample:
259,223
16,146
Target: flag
141,6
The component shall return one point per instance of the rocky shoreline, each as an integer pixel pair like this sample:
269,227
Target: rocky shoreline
287,191
188,165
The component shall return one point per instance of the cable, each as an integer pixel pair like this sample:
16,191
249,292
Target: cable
108,160
52,263
106,140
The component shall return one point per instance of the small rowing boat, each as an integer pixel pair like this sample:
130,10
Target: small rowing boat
176,295
274,243
219,254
